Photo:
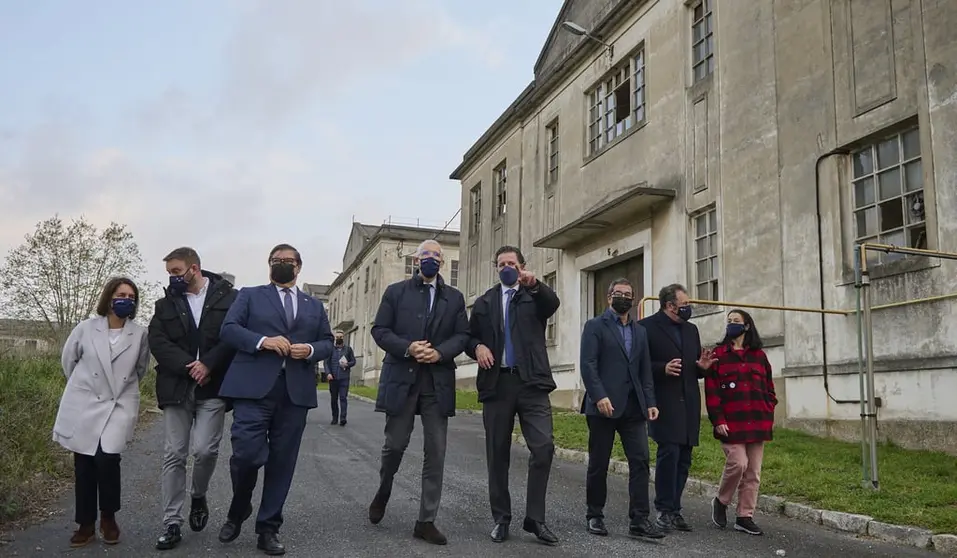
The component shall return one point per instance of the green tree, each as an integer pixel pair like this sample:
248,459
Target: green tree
56,275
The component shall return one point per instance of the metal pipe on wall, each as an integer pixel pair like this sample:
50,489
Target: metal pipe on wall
860,362
870,413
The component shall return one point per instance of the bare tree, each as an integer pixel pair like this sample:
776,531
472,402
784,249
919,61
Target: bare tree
56,275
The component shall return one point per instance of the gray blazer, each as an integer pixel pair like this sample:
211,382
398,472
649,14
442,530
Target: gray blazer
101,401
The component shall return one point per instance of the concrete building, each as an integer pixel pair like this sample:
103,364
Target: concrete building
320,292
228,276
375,257
742,149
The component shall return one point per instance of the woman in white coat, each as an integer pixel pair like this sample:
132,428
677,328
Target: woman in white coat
103,359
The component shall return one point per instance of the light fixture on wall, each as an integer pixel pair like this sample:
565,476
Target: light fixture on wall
576,29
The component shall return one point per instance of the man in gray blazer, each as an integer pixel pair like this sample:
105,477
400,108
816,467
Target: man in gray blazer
619,397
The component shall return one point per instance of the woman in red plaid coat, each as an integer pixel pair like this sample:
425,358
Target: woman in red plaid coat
739,393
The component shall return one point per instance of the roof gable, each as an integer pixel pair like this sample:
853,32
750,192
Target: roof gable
560,43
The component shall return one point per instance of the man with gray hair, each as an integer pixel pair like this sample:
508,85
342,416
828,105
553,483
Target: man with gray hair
422,326
677,362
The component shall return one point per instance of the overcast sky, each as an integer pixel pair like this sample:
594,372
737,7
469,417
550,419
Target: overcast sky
233,125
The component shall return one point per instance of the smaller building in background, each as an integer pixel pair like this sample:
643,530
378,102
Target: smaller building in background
24,337
229,277
319,292
375,257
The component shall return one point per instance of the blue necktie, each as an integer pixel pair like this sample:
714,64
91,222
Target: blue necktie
509,348
287,304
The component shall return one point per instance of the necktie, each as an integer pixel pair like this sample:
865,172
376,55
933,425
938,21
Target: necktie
509,348
431,297
287,306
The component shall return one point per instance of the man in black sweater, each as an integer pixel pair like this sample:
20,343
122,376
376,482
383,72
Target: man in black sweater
190,365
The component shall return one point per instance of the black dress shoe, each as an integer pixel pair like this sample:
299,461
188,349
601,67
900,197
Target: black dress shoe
342,423
500,532
231,529
646,530
170,539
334,422
679,523
270,545
428,532
377,508
596,526
540,530
198,514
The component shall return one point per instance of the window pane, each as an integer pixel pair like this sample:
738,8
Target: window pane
863,162
917,237
701,225
702,247
890,183
913,176
696,31
698,11
911,141
699,72
888,153
892,214
709,44
707,25
914,208
864,192
712,221
894,239
703,270
640,113
866,222
715,267
704,292
711,64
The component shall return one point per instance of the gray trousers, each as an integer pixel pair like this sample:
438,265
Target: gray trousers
534,410
199,422
398,432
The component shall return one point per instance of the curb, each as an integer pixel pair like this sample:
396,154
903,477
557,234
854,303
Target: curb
944,544
854,524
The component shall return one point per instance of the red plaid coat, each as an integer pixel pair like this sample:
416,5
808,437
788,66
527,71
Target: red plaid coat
739,392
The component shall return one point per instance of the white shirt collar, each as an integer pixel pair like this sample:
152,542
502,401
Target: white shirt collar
293,289
202,290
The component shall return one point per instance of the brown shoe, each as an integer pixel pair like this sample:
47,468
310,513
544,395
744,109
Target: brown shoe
109,530
83,536
428,532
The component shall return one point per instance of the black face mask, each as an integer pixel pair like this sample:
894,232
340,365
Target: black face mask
621,305
282,273
339,342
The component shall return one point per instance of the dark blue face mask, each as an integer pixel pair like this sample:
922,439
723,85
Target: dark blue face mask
178,285
684,312
508,275
429,267
735,330
123,307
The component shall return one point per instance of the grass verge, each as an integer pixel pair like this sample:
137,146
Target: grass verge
918,488
34,469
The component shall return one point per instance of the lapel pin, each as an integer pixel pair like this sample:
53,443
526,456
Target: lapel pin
731,385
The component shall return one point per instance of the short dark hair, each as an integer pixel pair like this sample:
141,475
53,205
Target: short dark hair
670,293
752,339
620,281
106,296
185,254
284,247
513,250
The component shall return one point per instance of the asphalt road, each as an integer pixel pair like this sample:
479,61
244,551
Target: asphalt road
326,513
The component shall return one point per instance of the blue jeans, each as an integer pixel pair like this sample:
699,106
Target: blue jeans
672,466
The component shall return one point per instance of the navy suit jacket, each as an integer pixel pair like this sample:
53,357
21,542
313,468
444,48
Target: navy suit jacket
257,313
608,370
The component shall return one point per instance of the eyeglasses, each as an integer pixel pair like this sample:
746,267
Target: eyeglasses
619,294
290,261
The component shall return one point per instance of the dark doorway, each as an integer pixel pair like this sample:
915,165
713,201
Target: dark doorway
631,269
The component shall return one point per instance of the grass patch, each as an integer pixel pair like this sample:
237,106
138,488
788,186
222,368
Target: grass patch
917,488
33,468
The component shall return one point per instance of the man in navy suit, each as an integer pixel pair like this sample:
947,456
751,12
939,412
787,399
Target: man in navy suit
280,333
619,397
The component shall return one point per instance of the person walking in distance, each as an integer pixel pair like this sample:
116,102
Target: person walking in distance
422,326
103,359
507,327
619,397
677,363
191,361
337,368
739,393
279,333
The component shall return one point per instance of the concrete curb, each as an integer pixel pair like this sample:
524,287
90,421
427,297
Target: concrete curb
847,522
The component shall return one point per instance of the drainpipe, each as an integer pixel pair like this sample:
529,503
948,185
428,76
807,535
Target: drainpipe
820,262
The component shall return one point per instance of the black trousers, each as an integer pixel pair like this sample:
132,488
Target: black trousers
534,410
97,480
632,428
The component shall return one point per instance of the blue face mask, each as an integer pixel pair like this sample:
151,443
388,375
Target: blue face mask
123,307
429,267
734,330
178,285
684,312
508,275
